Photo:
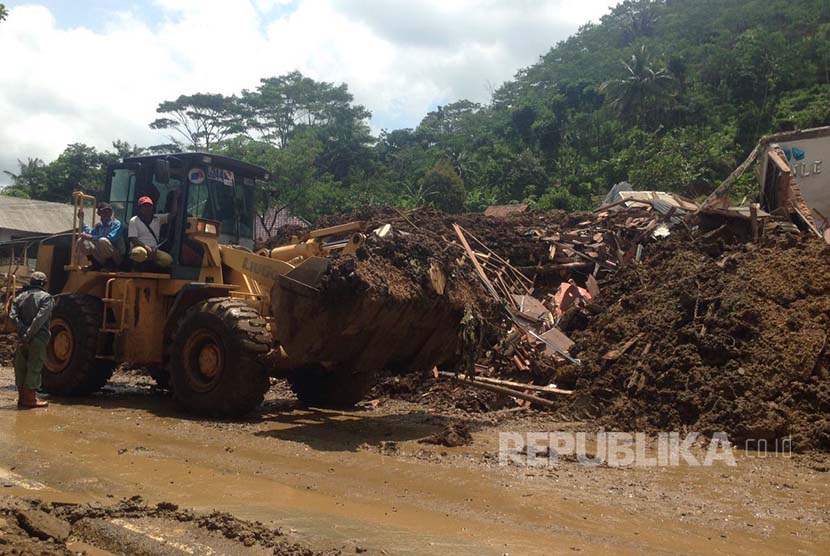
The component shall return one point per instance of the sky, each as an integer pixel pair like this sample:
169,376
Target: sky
95,71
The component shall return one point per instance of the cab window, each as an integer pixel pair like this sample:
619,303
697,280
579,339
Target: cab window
122,193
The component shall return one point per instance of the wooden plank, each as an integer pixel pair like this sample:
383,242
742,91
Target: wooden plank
616,353
503,390
510,383
472,256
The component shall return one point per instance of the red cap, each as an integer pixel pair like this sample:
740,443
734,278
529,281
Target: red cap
145,201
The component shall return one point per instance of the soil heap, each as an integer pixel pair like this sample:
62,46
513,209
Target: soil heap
728,338
406,300
705,333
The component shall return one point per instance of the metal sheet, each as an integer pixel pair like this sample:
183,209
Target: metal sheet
809,160
34,217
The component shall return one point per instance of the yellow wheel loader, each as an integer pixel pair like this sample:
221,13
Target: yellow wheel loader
215,324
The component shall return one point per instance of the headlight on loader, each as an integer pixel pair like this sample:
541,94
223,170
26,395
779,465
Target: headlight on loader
207,228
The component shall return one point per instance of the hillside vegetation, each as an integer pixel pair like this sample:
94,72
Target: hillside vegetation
666,94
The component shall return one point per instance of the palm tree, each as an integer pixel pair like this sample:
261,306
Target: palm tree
642,91
29,181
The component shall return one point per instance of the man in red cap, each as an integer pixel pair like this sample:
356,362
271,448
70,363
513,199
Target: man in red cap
144,231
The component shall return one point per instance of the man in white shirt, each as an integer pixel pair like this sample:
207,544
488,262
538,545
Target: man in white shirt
144,232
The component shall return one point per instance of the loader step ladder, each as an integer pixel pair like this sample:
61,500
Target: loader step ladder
118,306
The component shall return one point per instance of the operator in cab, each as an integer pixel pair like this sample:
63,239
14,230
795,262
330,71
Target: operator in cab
144,230
104,243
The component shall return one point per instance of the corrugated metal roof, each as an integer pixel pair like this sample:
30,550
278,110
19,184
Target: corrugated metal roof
37,217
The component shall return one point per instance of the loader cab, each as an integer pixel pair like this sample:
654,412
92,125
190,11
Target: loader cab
215,192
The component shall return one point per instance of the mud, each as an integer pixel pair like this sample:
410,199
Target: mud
8,343
731,338
407,302
364,480
133,527
514,237
454,434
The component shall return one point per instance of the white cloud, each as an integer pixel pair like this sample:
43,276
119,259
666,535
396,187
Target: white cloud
399,58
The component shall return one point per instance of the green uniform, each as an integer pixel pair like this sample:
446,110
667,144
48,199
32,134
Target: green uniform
31,312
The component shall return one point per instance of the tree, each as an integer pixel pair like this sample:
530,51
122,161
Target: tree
201,120
642,91
78,168
121,150
635,18
283,104
4,13
441,187
30,180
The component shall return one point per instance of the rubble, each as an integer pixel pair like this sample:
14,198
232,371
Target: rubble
680,319
706,336
549,265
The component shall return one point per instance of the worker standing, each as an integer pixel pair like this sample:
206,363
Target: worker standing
31,312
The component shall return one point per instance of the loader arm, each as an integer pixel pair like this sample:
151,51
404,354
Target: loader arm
264,270
303,262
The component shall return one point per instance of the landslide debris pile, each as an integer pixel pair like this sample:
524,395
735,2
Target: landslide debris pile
516,237
725,338
706,332
405,300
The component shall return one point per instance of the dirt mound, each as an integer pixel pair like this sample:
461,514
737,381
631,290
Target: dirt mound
406,301
512,235
283,235
454,434
8,344
707,332
712,338
441,396
131,526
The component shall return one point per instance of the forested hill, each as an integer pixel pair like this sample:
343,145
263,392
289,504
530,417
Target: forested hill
667,94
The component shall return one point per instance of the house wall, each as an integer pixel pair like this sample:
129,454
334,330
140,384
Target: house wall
7,234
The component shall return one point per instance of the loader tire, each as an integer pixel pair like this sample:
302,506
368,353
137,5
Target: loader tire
214,358
335,388
71,368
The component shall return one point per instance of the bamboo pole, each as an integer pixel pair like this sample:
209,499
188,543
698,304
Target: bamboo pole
502,390
511,384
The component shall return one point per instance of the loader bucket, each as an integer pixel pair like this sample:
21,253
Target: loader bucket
363,330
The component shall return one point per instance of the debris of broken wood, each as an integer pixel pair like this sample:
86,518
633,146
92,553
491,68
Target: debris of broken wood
521,385
461,379
616,353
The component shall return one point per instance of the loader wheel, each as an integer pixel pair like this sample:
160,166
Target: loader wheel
214,358
336,388
71,368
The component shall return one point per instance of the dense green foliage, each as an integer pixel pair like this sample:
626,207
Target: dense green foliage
667,94
79,167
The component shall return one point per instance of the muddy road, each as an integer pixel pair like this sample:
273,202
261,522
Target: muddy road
362,482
